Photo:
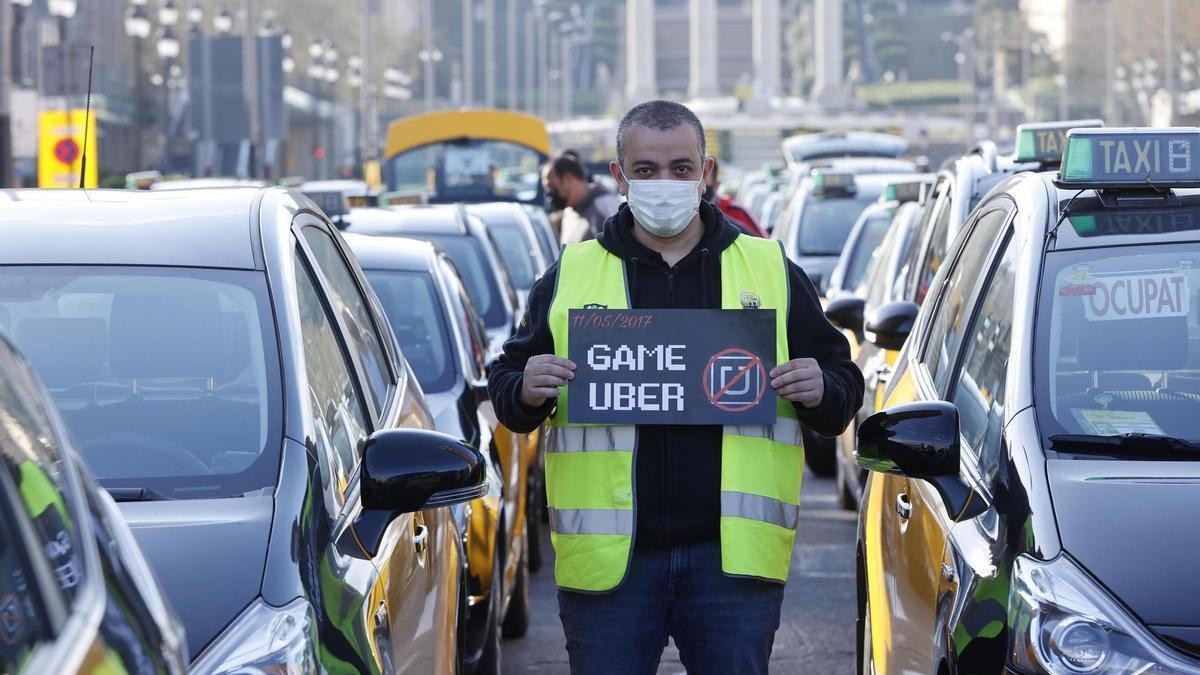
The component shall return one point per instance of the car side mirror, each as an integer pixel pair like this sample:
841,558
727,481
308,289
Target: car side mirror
888,326
407,470
846,313
919,440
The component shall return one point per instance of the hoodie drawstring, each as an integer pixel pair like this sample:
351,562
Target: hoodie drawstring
633,275
704,277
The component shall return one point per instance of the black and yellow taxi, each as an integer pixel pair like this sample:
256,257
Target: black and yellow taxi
857,288
1035,472
76,593
227,374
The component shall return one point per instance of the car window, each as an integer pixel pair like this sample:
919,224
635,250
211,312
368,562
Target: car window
934,253
355,312
825,223
516,251
481,282
468,318
338,409
954,296
979,390
869,240
412,306
167,378
912,257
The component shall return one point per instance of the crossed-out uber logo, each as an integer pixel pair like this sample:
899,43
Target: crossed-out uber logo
734,380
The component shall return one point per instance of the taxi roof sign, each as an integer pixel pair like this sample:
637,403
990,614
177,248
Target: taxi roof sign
831,181
904,191
1131,158
1044,142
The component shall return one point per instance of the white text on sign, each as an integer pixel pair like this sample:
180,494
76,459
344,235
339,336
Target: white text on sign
650,396
1137,296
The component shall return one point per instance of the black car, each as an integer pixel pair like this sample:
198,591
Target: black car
516,241
471,247
76,595
442,335
228,376
1031,506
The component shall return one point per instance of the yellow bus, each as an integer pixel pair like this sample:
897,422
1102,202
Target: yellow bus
466,156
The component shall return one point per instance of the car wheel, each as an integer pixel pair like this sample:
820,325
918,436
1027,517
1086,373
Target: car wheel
535,506
820,453
845,495
516,621
489,661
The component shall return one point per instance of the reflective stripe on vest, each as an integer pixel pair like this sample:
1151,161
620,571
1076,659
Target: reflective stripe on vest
589,468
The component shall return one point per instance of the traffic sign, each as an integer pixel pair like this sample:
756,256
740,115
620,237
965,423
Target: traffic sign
60,149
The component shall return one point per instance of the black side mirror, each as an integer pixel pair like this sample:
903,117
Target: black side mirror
406,470
889,325
846,313
919,440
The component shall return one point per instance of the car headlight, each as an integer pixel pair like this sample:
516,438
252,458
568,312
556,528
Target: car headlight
264,640
1064,623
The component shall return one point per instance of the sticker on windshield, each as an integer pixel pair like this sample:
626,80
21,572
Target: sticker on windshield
1132,296
1116,422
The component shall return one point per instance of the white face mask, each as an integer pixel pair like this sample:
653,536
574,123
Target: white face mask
663,207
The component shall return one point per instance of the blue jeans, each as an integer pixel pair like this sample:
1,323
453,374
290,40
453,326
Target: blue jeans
720,624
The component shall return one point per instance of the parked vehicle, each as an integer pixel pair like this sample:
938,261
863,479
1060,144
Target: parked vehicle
76,594
229,377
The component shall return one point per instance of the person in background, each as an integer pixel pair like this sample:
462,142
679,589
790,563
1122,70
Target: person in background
734,212
588,205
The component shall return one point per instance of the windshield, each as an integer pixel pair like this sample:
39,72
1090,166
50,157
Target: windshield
468,256
825,223
516,251
1119,342
468,171
869,238
167,378
415,313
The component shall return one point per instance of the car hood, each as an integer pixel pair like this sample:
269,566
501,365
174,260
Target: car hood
208,555
1134,526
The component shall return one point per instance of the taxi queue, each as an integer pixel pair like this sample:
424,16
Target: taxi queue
1027,324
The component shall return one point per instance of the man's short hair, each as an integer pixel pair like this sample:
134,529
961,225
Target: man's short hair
564,164
660,115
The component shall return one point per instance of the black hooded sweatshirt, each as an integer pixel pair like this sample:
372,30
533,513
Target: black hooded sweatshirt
678,468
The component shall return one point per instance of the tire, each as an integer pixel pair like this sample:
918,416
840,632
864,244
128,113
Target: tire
534,505
490,661
516,621
845,494
820,453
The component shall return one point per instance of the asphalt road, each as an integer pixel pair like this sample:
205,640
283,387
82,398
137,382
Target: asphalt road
817,633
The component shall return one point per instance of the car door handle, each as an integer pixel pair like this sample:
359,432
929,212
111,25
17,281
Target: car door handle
903,506
420,535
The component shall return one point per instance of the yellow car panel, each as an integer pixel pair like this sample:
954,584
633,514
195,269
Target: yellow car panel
488,125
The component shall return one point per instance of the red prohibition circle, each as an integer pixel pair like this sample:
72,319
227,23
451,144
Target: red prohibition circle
714,397
66,151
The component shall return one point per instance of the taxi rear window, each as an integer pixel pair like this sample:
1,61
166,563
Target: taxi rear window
1119,342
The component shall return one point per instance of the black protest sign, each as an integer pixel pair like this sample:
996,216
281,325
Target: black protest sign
671,366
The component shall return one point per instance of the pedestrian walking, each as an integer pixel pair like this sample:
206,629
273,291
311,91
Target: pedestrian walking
668,530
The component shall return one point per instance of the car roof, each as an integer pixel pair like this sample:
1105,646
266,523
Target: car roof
865,165
1090,222
509,212
352,188
392,253
189,228
194,183
415,219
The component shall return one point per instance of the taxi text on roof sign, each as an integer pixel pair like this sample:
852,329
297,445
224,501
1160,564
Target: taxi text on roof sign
907,191
1046,141
1131,158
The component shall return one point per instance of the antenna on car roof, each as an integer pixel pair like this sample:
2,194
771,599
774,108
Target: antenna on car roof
87,117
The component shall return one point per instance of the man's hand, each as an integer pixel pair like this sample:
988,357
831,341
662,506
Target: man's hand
799,381
544,374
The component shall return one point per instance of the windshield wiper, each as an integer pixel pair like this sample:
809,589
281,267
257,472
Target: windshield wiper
1154,444
136,494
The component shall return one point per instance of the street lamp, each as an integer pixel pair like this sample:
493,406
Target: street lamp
195,16
62,9
168,13
137,24
223,21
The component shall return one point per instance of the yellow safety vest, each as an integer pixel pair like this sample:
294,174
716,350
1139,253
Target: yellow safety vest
589,468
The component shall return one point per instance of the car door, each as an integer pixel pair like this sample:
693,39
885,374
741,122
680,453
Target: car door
906,516
410,614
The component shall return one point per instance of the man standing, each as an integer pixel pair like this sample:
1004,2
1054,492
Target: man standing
588,204
680,531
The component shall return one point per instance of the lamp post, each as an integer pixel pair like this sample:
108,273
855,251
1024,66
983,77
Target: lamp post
168,51
63,11
331,79
223,22
137,27
19,9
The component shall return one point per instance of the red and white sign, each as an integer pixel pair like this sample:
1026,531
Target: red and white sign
1137,296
